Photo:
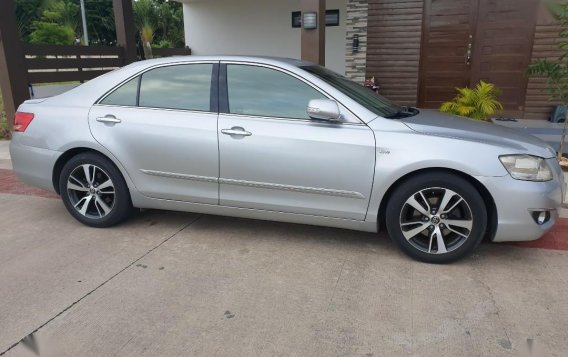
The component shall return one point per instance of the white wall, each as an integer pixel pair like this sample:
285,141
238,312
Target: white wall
253,27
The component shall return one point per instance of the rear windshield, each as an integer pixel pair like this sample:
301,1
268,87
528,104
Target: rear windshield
369,99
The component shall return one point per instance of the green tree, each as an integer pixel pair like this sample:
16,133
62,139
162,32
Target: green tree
170,24
57,25
145,20
160,21
63,12
556,72
28,11
52,33
100,23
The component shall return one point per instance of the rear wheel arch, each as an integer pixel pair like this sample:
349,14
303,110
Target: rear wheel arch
492,215
67,155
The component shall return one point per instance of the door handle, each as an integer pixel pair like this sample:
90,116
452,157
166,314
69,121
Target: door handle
110,119
236,131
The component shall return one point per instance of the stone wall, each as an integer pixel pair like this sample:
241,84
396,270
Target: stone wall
356,23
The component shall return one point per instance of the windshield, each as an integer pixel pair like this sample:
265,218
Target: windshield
364,96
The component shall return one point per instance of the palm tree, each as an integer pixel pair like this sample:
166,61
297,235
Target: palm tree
556,72
145,19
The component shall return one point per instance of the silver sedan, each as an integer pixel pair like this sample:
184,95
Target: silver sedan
284,140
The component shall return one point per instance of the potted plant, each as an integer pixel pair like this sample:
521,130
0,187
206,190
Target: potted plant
478,103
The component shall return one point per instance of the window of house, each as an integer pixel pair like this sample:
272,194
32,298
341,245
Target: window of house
261,91
123,95
331,18
186,87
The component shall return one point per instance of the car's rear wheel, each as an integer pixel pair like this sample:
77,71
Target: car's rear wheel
93,190
436,217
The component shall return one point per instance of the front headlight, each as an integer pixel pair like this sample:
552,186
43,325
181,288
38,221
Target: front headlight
527,167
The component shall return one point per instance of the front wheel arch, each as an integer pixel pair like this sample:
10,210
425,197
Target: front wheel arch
492,215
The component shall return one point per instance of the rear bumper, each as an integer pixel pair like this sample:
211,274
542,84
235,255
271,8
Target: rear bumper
516,201
32,165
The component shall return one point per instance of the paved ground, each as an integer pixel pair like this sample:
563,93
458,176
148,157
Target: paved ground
4,155
169,284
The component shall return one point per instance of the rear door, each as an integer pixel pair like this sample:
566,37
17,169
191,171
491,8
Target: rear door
162,127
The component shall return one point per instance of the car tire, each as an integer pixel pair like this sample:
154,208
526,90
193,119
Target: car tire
94,191
436,217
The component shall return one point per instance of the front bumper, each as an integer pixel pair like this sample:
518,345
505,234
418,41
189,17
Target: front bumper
32,165
516,200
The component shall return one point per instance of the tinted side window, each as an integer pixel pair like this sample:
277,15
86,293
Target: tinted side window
177,87
267,92
123,95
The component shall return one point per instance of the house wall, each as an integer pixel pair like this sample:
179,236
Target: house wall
251,27
393,53
390,34
394,33
356,25
545,45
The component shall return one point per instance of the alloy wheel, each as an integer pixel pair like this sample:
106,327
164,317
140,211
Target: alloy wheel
91,191
436,220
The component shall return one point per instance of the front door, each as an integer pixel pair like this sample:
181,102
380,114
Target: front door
273,157
502,49
162,128
465,41
448,31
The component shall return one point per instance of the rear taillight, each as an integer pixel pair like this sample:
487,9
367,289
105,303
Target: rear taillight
22,120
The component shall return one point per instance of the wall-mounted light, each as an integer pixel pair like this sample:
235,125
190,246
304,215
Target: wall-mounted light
355,44
310,20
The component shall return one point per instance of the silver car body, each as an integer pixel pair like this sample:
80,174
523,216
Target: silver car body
301,171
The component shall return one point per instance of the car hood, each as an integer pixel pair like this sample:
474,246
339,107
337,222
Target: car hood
433,122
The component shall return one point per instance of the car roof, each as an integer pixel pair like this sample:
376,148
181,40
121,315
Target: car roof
255,59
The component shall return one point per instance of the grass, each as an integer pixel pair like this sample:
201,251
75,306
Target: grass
4,132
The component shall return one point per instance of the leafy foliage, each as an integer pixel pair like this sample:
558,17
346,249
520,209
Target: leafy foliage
146,21
100,23
65,13
478,103
57,24
164,19
4,132
28,11
52,33
170,24
556,72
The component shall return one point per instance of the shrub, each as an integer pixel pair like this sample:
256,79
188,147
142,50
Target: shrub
477,103
52,33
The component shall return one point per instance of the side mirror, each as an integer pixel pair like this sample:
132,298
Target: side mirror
323,109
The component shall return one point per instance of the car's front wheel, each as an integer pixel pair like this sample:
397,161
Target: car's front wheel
93,190
436,217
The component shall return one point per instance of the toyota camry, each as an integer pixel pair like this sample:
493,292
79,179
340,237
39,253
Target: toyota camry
284,140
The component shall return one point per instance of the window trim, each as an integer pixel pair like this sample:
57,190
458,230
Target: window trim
138,91
115,88
213,94
224,93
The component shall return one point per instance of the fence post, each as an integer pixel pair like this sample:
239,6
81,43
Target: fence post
13,70
125,33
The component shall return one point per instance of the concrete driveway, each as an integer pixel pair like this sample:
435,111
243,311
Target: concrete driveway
170,284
